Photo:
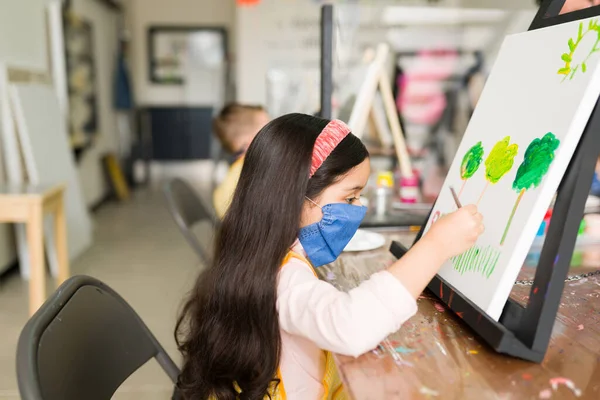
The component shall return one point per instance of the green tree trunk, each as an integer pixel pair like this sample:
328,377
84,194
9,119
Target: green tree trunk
512,214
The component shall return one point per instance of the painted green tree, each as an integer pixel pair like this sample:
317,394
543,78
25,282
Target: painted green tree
538,157
571,65
499,162
470,164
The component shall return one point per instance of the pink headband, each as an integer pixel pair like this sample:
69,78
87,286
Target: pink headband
328,139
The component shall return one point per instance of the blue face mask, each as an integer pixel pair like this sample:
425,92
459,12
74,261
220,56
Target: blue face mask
325,240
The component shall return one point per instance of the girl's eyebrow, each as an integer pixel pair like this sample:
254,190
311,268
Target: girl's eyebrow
358,187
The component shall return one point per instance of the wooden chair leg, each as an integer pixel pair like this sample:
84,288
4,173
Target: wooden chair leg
60,239
35,242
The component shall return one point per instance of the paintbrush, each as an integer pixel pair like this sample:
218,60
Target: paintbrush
456,200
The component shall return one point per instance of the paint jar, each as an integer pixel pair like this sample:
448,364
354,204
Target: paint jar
409,188
384,193
385,179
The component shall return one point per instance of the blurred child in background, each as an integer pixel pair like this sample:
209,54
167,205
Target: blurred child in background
235,127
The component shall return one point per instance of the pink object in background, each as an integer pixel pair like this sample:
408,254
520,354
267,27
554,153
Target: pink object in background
409,188
434,65
421,99
423,106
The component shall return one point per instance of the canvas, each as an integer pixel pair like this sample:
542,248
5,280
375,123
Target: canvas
516,149
49,160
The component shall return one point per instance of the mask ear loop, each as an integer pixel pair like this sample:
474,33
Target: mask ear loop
313,202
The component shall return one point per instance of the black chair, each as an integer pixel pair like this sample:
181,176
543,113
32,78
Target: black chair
188,210
83,343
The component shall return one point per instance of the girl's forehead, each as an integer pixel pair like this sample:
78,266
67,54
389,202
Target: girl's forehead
357,176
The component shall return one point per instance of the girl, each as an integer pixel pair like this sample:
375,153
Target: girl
259,324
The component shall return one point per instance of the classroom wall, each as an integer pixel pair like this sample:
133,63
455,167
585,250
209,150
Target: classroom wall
93,183
105,31
141,15
145,13
268,34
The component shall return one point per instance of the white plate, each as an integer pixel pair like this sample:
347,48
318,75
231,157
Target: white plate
365,240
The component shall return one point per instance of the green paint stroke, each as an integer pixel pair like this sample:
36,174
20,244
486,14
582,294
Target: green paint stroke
471,161
470,164
569,69
477,260
539,155
500,160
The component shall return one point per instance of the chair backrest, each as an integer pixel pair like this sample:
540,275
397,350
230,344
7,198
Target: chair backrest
188,209
83,343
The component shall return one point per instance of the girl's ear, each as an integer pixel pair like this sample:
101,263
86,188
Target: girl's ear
311,213
311,202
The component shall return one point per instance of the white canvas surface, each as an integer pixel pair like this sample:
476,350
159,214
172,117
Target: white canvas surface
525,98
49,158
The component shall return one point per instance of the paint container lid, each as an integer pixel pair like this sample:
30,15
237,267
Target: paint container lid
385,179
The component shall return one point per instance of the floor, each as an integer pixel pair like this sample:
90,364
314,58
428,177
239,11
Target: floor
139,252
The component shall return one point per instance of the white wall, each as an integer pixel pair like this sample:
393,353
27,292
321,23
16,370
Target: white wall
93,183
104,24
145,13
266,37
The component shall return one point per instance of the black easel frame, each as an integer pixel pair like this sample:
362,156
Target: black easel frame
525,332
326,60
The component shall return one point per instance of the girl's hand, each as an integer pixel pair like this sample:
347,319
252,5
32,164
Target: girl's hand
455,233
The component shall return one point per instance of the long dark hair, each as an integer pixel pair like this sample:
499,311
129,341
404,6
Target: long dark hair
228,330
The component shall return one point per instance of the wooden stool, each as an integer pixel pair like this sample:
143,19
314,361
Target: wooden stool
29,204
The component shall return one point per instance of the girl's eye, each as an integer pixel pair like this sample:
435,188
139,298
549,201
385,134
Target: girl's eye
351,200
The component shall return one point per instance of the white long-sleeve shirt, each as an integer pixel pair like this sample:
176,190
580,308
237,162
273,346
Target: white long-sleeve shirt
315,316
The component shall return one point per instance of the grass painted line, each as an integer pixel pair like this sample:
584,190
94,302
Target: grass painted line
476,259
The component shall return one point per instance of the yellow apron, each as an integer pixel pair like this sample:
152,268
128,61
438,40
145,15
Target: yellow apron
332,384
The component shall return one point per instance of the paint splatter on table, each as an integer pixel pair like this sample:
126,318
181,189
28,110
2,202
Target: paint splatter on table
442,358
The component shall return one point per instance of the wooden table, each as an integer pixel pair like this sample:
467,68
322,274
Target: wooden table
28,205
440,357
